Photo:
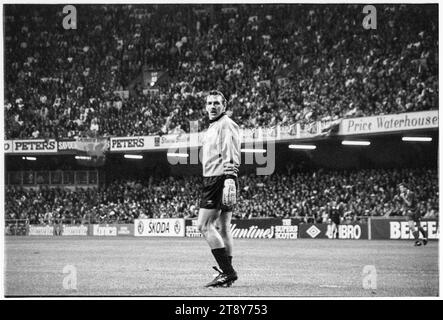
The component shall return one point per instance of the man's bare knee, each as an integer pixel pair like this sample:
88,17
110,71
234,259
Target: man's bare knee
206,221
203,228
224,223
224,230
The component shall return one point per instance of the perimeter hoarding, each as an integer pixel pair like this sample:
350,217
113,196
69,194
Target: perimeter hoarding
398,229
254,228
159,227
104,230
112,230
125,230
389,123
31,146
73,230
355,231
39,230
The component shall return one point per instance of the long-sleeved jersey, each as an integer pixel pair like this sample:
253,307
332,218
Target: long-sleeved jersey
411,200
221,144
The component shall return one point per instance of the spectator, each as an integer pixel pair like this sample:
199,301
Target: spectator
276,64
362,193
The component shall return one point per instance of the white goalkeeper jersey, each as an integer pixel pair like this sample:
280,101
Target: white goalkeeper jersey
221,144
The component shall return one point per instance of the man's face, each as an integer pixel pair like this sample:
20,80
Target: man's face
402,189
214,106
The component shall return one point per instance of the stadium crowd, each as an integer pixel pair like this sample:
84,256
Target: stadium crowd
308,196
276,64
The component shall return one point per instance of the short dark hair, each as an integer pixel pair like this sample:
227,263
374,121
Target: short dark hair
217,93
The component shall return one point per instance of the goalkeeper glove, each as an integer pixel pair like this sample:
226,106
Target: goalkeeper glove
230,169
229,192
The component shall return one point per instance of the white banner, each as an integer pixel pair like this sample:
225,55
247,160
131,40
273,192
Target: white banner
401,230
388,123
159,227
104,230
41,230
67,145
8,146
286,232
186,140
259,134
31,146
130,143
351,126
183,140
69,230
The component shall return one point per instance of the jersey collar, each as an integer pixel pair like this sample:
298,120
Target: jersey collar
216,119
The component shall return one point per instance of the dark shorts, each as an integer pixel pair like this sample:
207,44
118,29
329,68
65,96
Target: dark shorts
413,215
212,193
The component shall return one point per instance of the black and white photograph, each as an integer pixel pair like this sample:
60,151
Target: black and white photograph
206,150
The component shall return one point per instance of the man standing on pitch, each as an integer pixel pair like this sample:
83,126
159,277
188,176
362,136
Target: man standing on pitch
409,200
221,159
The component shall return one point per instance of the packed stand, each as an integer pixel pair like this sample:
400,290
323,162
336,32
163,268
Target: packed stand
276,64
308,196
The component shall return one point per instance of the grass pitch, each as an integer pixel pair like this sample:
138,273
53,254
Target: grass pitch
170,267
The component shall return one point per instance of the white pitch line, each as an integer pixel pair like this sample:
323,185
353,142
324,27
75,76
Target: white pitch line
331,286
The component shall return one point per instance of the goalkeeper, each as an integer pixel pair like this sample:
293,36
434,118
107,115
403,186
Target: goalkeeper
221,159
